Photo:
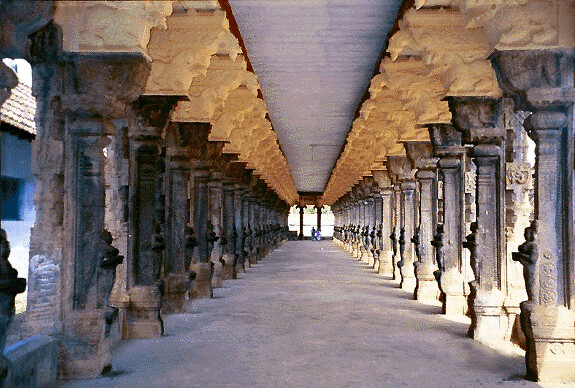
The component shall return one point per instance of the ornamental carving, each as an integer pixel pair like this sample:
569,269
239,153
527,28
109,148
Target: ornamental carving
547,279
518,174
110,26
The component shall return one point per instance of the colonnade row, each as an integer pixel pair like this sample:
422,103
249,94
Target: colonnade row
481,218
135,213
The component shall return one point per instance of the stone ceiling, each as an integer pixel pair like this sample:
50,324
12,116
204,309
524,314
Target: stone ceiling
314,60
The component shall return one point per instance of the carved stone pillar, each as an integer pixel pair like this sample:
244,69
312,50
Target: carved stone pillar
176,266
239,228
420,154
481,121
202,284
447,145
228,222
215,218
542,82
385,255
401,166
147,226
395,229
71,268
301,209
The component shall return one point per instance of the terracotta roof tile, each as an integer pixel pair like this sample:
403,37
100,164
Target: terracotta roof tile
19,109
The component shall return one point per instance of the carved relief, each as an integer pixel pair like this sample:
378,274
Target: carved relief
122,26
518,174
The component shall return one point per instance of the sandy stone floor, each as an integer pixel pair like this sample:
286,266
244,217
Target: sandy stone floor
308,315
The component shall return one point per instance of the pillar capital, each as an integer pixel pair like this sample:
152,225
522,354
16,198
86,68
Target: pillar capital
103,85
479,119
536,78
421,154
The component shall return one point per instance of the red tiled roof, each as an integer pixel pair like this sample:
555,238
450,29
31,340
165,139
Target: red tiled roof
19,109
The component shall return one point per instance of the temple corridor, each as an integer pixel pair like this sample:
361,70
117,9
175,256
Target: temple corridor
309,314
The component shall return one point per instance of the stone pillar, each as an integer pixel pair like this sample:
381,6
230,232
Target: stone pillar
395,229
215,239
542,82
301,208
318,208
239,229
202,284
385,256
147,221
176,278
377,228
481,122
229,230
401,166
420,154
72,265
447,145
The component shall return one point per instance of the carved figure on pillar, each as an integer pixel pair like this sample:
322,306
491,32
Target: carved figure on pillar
10,286
437,243
471,244
158,247
401,242
393,238
416,243
528,256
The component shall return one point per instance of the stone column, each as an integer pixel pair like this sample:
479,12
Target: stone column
176,266
147,218
385,257
395,229
447,145
481,122
301,208
72,265
229,231
401,166
239,229
420,154
377,228
542,82
215,228
318,208
202,284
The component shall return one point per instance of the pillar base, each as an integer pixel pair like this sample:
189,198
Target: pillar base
175,294
364,256
455,304
550,335
143,313
201,288
385,265
218,278
408,284
86,351
455,300
229,268
427,289
488,320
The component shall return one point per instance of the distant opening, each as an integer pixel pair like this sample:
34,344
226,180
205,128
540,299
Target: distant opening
310,220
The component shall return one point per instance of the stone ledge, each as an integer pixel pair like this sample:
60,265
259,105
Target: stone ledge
34,362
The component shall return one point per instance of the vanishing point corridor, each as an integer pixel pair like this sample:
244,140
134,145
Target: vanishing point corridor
309,315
